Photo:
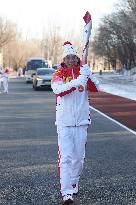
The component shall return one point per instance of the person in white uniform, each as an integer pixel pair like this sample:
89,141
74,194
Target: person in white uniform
5,79
1,79
71,84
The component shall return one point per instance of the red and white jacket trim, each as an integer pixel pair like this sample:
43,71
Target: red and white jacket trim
72,107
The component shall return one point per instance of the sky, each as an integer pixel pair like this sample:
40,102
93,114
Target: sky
34,17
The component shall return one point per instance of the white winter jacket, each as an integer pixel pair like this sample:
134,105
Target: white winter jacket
72,107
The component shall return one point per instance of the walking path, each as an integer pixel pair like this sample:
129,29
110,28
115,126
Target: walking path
121,109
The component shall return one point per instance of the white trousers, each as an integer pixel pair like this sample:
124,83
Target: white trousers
5,85
71,150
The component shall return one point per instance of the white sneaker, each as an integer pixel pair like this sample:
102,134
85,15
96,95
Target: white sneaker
67,199
75,189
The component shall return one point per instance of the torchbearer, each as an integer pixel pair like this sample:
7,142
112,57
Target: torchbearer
72,118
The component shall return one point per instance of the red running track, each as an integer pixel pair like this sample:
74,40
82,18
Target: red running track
121,109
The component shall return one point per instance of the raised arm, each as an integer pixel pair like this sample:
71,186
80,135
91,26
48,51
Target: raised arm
92,83
60,88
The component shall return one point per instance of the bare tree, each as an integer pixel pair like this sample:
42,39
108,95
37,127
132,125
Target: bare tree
115,39
51,42
7,31
17,51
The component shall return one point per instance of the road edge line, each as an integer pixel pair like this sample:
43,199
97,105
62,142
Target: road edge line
132,131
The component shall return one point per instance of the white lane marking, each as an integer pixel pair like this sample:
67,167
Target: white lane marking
132,131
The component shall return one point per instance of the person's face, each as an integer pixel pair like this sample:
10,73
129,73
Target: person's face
71,60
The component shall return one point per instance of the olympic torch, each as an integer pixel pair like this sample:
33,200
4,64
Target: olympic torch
86,36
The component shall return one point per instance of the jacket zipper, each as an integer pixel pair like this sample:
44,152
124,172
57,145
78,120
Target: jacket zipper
74,96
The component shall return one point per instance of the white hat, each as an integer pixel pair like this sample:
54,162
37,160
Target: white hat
69,50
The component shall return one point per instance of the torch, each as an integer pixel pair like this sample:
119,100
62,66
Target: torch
86,36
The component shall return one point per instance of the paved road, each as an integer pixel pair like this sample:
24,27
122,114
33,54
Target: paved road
119,108
28,154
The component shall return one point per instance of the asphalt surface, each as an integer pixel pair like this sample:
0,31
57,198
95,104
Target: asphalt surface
28,154
119,108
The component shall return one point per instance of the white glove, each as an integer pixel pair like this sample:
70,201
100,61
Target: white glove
81,80
85,70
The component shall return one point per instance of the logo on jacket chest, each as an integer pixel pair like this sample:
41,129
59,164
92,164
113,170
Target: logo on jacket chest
70,75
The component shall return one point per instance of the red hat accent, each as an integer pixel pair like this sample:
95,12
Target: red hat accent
67,42
7,71
68,49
